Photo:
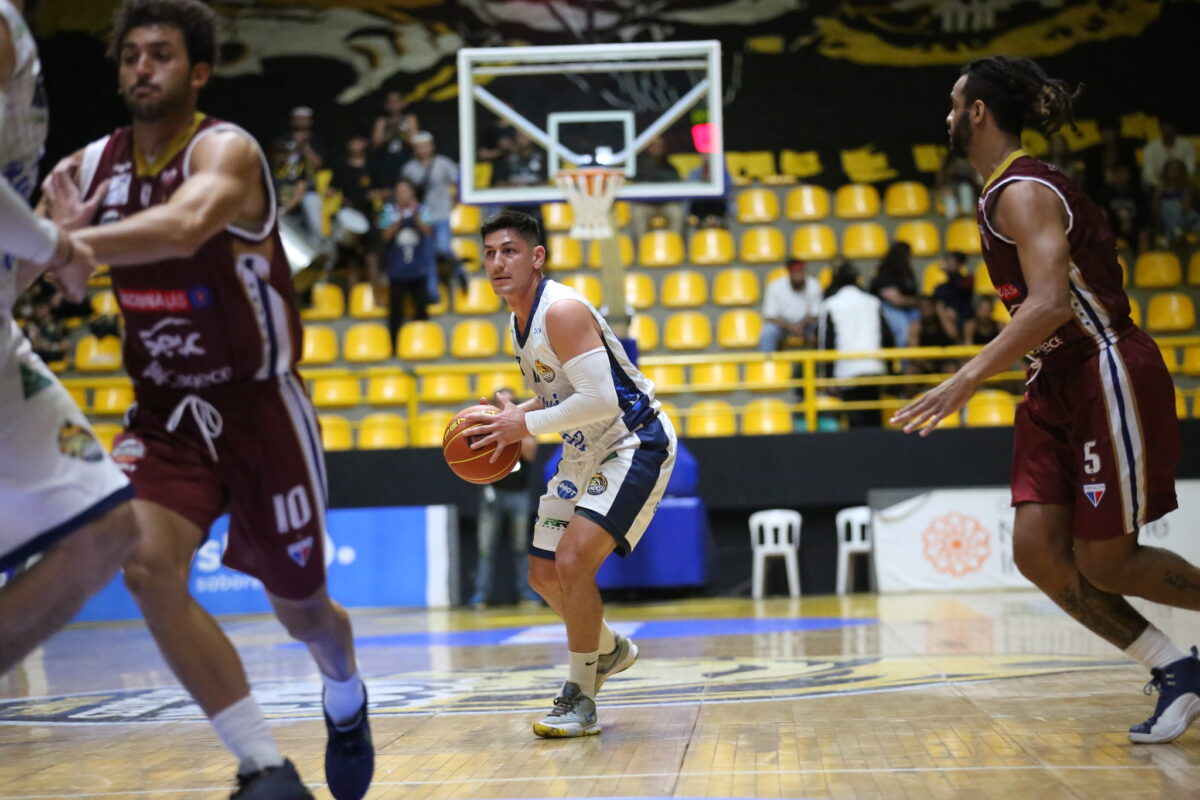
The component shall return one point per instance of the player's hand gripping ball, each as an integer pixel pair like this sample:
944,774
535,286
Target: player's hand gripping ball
475,466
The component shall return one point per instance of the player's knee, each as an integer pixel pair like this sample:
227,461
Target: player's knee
570,565
543,581
1106,574
153,580
102,547
306,622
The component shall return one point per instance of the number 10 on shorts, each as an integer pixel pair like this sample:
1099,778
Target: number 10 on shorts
293,511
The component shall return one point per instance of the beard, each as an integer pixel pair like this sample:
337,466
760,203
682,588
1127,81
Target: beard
167,103
960,136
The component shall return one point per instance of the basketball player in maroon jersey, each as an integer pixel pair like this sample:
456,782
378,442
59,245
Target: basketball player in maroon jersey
222,420
1096,438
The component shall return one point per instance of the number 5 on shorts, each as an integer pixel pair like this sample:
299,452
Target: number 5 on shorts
1091,459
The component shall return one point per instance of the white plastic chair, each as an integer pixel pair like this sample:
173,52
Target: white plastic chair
775,532
854,536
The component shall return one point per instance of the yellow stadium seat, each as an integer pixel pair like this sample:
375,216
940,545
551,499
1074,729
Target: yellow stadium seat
1181,410
991,407
768,375
963,236
672,413
736,286
1157,269
921,235
421,341
382,432
320,345
1169,357
431,426
442,306
1193,275
644,330
490,381
364,304
1170,312
557,217
1135,311
507,341
762,245
1195,405
825,277
366,342
639,291
106,432
336,392
715,374
856,201
97,355
328,302
660,249
79,395
624,243
710,246
767,416
1191,360
814,243
464,220
934,277
684,288
390,390
739,329
667,378
751,165
864,240
477,299
104,303
688,330
1000,313
483,174
711,418
111,399
983,281
445,387
756,206
588,286
621,212
906,199
466,250
335,432
564,253
807,203
474,338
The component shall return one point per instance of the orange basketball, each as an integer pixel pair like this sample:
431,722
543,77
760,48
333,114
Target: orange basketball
474,466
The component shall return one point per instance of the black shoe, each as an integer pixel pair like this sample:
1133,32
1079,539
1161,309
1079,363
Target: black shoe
272,783
350,757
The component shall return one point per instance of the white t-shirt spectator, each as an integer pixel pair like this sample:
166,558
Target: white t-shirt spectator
1156,155
781,301
433,181
852,321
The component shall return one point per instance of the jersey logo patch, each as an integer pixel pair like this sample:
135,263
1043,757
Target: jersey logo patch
77,441
597,485
118,190
32,381
1094,493
128,453
301,550
544,372
566,490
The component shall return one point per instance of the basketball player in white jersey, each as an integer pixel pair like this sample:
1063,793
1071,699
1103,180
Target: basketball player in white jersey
62,498
618,453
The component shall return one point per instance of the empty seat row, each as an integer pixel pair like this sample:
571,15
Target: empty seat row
764,375
851,201
399,389
1161,269
370,342
329,301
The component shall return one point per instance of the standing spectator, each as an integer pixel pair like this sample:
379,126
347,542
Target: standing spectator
1159,151
790,307
957,186
954,299
653,167
895,285
408,254
292,183
494,139
435,177
1175,216
506,502
47,335
852,321
982,327
301,159
391,137
353,179
1102,160
521,164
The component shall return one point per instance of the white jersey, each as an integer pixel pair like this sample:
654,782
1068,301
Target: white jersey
24,121
544,375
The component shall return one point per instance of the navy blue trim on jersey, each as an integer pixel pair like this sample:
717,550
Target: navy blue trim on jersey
645,468
44,541
636,408
272,343
523,336
314,449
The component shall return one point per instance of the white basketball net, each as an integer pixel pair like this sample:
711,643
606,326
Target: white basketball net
591,193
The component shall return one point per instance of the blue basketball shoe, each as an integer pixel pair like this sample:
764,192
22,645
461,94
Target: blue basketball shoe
350,756
272,783
1178,687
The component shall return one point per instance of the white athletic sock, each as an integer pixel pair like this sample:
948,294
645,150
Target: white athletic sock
583,670
1153,650
608,639
244,732
343,699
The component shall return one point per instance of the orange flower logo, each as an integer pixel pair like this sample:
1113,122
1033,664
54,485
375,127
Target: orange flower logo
956,544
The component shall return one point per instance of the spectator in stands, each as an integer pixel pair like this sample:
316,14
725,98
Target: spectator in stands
47,335
493,140
352,178
851,320
791,304
506,504
408,254
931,328
711,212
1169,145
293,186
982,327
1123,203
1059,155
1176,220
523,163
653,167
957,186
895,285
435,177
391,137
954,298
1102,160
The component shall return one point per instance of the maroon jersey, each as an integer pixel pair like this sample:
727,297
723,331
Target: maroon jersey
225,315
1100,304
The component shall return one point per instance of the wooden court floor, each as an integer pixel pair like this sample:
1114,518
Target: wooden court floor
966,696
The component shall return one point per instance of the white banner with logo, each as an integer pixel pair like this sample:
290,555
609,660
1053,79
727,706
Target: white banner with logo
951,539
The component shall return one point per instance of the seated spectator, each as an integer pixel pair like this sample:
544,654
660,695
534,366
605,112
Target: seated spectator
1159,151
790,307
711,212
929,329
895,285
851,320
1102,160
653,167
391,138
47,335
522,163
1122,203
435,176
982,327
956,185
1176,219
407,238
954,298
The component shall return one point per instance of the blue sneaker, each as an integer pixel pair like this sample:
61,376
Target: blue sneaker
272,783
1178,687
350,756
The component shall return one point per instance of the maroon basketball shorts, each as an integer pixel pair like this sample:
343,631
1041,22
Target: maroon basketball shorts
1100,434
265,467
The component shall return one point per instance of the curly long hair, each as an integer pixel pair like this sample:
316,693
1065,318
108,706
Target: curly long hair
1019,93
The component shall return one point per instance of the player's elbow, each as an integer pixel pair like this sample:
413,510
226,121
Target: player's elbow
187,234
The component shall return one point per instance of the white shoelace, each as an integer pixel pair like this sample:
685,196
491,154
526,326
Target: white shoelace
207,419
